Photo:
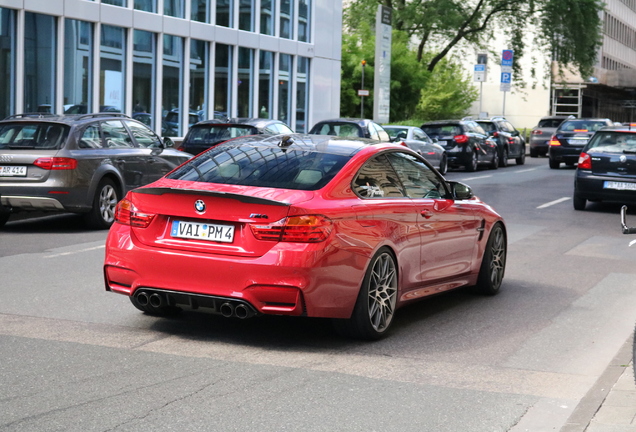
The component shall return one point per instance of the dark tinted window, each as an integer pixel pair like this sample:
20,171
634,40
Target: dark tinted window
488,126
49,136
394,131
346,130
212,134
613,142
582,125
418,179
550,123
442,130
262,166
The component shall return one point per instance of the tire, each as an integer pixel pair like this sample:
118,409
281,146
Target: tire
102,214
494,164
503,158
554,164
578,202
472,164
521,159
375,307
443,165
634,354
493,264
534,152
4,217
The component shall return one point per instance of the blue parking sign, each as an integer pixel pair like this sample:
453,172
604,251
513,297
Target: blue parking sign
506,77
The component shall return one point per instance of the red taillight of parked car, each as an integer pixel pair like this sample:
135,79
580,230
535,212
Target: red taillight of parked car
537,132
585,161
461,139
56,163
299,229
127,214
554,141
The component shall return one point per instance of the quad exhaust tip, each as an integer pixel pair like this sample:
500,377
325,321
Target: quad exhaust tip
229,308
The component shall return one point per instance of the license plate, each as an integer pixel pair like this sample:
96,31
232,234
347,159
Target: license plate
442,143
619,185
202,231
13,171
578,141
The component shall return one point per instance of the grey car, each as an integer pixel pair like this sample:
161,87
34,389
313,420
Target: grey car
416,139
78,163
542,132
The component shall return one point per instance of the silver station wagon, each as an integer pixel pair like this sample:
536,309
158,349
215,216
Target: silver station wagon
78,163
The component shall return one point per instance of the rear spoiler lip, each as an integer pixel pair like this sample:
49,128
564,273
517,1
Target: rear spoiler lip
180,191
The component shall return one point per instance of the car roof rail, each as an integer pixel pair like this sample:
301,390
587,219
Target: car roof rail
104,114
35,114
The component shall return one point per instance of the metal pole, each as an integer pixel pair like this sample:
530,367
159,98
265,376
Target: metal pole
481,88
504,104
362,88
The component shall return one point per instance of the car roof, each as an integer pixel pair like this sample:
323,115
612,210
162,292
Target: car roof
62,118
358,121
244,121
438,122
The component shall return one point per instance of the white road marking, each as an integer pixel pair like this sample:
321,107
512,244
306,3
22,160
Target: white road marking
75,252
526,170
475,178
551,203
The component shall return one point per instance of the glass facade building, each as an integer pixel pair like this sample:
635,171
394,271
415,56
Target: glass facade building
179,61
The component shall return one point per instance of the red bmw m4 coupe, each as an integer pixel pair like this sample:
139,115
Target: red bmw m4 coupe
303,225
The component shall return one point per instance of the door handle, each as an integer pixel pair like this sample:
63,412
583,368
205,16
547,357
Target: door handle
426,213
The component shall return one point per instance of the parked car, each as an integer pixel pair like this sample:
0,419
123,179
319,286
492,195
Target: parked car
466,143
303,225
351,127
570,138
78,163
208,133
83,109
542,132
417,140
510,143
170,124
606,169
144,117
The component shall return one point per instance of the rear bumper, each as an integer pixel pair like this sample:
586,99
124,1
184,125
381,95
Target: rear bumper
591,187
290,279
565,154
44,197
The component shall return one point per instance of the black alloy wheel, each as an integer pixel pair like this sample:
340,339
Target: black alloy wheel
493,264
503,157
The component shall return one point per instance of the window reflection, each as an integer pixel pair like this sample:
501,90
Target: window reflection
286,15
78,70
224,13
116,2
172,85
199,77
222,75
144,73
304,9
174,8
146,5
302,78
266,84
39,62
246,71
7,62
112,68
284,89
200,10
267,17
246,15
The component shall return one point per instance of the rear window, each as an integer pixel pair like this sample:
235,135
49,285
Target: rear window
487,126
442,130
274,167
213,133
43,136
613,142
550,123
345,130
582,126
394,131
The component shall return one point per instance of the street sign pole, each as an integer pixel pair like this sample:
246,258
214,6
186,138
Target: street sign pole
507,57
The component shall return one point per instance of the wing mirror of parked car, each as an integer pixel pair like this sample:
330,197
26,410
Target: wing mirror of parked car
168,143
460,191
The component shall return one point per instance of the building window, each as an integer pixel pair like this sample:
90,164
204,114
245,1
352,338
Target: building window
222,82
7,62
286,15
284,88
172,85
39,62
302,97
122,3
266,84
144,76
78,66
225,13
112,68
199,73
245,80
174,8
304,16
146,5
246,15
267,17
200,10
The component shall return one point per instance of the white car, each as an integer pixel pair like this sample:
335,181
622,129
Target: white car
416,139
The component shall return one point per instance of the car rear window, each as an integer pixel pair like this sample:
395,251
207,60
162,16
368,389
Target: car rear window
394,131
214,133
613,142
550,123
345,130
442,130
263,166
582,125
42,136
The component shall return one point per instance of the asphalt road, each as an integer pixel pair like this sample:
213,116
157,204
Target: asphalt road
76,358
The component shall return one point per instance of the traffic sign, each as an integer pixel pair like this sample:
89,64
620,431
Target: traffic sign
506,81
507,57
480,72
363,92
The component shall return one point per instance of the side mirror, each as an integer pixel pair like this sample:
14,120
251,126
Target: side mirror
167,142
626,229
460,191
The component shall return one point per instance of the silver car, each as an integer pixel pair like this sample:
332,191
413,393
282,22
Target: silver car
542,132
416,139
78,163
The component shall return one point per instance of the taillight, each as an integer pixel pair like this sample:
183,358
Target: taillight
537,132
585,161
461,139
299,229
495,134
127,214
554,141
404,144
56,163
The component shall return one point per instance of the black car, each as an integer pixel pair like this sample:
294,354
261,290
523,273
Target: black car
209,133
466,143
351,127
78,163
570,138
606,169
510,143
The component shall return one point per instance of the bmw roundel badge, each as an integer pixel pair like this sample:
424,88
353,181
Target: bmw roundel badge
199,206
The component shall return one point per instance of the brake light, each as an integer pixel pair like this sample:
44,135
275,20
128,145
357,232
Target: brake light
299,229
56,163
461,139
127,214
495,134
537,132
580,130
585,161
554,141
